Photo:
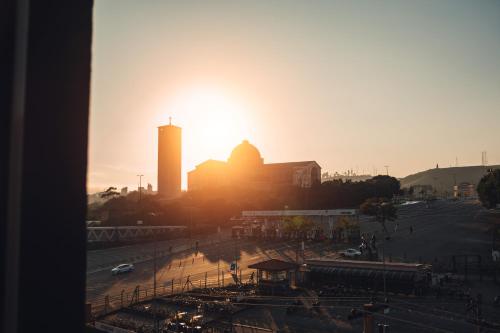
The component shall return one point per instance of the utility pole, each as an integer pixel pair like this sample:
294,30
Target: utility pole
383,260
156,322
218,257
140,187
484,158
236,257
154,267
297,250
386,169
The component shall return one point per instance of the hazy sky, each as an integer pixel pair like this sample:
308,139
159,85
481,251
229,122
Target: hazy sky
350,84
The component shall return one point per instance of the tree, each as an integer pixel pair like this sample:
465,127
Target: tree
299,226
381,208
110,192
488,189
385,186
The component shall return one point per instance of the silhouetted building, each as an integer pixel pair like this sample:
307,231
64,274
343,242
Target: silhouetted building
465,191
124,191
169,161
245,167
150,189
348,176
422,191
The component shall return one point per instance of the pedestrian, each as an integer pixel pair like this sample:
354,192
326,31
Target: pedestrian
411,230
396,227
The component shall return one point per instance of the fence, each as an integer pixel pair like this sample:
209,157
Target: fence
104,304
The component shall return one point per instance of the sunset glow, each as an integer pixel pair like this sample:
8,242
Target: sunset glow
311,82
217,121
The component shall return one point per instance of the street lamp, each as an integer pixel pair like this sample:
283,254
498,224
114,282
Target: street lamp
383,260
140,186
218,257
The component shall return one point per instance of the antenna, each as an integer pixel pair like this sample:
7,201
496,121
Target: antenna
386,169
484,158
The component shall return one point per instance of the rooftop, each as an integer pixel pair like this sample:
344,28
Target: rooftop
309,212
274,265
400,266
289,164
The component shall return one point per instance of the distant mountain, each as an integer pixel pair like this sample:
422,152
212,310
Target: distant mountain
443,179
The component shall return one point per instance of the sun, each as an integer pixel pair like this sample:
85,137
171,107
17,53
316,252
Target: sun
213,121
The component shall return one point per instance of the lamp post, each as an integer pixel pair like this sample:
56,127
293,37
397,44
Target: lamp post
156,322
154,265
383,260
218,257
236,258
140,187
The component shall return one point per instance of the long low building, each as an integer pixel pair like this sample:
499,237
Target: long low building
309,212
336,224
409,278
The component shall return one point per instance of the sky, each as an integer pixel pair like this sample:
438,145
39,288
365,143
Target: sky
351,84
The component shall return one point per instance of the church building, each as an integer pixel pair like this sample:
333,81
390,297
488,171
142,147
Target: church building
245,167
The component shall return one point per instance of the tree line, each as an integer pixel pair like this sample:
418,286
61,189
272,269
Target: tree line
216,206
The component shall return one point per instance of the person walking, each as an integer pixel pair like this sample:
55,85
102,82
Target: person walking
411,229
396,227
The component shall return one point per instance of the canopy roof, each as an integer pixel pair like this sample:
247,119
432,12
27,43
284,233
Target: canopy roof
350,273
360,264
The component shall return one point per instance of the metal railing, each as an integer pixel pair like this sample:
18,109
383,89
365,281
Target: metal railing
105,304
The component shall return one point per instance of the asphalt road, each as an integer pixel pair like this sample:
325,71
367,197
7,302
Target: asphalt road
444,229
187,263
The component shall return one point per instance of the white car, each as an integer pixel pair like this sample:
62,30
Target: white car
123,268
350,253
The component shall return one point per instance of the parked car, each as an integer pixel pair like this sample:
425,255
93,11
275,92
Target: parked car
350,253
123,268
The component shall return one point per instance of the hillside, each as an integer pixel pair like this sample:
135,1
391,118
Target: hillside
443,179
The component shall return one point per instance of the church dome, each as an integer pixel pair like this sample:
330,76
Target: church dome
245,154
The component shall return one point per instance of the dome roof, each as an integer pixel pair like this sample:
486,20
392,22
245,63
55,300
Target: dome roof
245,154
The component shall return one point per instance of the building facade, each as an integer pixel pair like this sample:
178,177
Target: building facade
169,161
341,225
465,191
245,167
